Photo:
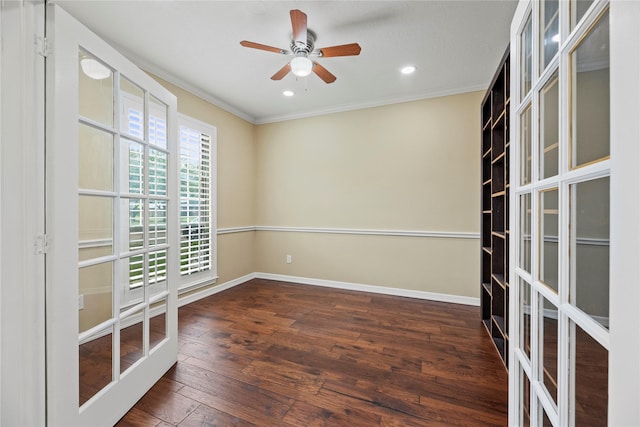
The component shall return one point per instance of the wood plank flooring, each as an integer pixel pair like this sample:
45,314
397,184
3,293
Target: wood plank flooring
270,353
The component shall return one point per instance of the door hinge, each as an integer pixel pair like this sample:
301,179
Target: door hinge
41,244
42,46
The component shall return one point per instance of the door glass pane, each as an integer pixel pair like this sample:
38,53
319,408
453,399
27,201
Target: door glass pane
589,238
157,122
132,227
549,128
157,173
95,159
131,340
549,332
526,63
134,275
548,242
590,96
546,422
94,249
578,8
95,91
525,146
590,364
525,399
157,222
95,218
158,323
132,170
158,271
95,365
132,110
95,288
549,33
525,317
525,232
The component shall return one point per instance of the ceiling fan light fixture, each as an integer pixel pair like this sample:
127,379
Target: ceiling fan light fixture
288,93
94,69
301,66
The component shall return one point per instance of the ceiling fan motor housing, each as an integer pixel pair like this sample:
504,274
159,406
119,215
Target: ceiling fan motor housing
300,49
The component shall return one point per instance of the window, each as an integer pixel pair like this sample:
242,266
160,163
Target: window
144,198
197,171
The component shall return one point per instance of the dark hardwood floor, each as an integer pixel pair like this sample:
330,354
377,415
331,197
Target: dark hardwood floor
270,353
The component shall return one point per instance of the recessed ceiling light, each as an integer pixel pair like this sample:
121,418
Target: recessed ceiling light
288,93
409,69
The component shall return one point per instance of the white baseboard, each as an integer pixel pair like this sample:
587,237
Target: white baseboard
214,289
431,296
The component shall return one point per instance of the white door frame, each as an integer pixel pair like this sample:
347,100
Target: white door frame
624,341
22,305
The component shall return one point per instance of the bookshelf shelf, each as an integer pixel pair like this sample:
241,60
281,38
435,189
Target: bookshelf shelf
494,284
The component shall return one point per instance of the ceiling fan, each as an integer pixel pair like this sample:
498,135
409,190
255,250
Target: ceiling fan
302,48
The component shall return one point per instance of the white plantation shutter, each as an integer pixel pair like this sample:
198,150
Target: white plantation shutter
197,203
197,171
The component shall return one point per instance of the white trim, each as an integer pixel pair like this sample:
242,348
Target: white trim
548,313
355,231
409,293
215,289
94,243
202,282
372,104
231,230
624,348
364,231
22,269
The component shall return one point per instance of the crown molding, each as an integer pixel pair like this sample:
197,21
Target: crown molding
373,104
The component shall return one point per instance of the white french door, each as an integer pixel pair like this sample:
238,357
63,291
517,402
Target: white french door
576,214
112,258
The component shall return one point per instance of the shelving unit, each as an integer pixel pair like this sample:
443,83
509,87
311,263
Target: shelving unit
494,288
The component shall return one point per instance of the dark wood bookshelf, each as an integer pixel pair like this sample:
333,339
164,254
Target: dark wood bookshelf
494,235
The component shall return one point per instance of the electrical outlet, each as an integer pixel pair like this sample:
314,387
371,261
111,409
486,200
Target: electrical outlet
288,259
80,302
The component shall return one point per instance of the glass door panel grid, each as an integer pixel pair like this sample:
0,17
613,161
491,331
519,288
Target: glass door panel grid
130,299
553,401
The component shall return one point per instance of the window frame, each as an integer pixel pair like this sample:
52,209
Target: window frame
207,277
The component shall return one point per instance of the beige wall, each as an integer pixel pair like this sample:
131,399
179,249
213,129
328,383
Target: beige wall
411,166
445,266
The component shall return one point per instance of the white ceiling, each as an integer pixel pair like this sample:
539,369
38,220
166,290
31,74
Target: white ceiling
456,46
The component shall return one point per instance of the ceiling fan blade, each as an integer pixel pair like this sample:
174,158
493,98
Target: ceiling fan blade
281,73
254,45
323,73
299,24
342,50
